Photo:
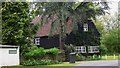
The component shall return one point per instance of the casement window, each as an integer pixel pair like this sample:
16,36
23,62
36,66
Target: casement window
12,51
85,27
80,49
93,49
37,41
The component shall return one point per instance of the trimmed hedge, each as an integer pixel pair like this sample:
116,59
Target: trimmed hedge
41,62
40,56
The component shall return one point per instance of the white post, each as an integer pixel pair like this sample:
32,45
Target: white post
93,56
106,57
99,56
114,56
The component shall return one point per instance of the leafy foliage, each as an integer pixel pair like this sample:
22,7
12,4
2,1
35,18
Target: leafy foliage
41,62
16,29
15,23
30,63
39,52
53,51
68,49
83,58
110,34
111,41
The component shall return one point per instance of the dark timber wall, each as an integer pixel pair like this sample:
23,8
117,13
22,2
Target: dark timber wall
79,38
49,42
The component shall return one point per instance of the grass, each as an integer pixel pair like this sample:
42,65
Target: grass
66,64
36,67
63,65
110,58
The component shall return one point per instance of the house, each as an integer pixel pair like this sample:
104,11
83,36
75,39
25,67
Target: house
86,38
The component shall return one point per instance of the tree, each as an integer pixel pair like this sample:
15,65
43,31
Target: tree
78,12
0,24
99,25
16,30
110,36
111,41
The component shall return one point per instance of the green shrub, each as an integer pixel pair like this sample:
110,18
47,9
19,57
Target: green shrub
35,53
83,58
33,47
57,62
30,63
41,62
96,57
46,62
80,57
39,52
49,62
53,51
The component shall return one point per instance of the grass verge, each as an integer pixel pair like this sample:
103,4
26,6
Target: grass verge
63,65
110,57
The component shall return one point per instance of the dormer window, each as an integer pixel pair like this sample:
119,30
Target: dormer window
85,27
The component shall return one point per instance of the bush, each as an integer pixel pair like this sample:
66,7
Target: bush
83,58
68,49
80,57
41,62
35,53
46,62
96,57
53,51
30,63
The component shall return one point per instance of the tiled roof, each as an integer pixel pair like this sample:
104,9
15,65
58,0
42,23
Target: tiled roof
45,29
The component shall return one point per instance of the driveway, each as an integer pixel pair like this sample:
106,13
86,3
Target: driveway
98,64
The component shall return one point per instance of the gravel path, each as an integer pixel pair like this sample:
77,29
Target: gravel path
98,64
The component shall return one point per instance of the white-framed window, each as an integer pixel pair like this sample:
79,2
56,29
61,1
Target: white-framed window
85,27
37,41
80,49
93,49
12,51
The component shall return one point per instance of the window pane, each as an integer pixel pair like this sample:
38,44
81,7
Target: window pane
12,51
37,41
85,27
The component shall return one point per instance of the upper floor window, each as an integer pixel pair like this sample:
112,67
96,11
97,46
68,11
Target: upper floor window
37,41
85,27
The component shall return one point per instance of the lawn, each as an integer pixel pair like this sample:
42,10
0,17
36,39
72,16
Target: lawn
63,65
37,67
110,58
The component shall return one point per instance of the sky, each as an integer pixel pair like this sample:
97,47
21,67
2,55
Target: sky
113,7
113,4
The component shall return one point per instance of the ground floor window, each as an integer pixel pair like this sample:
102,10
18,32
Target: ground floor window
80,49
37,41
93,49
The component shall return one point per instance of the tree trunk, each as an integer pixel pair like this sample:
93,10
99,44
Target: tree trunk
61,43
